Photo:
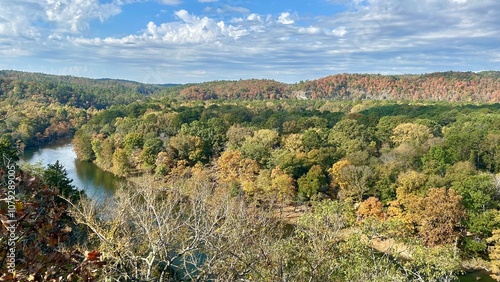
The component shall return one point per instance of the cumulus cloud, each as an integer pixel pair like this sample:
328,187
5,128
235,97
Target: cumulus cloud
21,17
254,17
285,18
19,23
192,29
75,15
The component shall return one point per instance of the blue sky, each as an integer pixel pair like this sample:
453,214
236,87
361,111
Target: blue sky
180,41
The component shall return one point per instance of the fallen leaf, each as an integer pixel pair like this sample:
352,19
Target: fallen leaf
93,256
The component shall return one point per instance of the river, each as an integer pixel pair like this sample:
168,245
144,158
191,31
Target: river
96,183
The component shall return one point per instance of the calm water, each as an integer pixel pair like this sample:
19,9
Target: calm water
87,176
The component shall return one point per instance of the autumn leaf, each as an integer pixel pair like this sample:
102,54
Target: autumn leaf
93,256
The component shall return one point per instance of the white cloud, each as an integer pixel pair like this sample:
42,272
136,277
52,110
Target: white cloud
21,17
254,17
340,32
170,2
75,15
192,29
284,18
310,30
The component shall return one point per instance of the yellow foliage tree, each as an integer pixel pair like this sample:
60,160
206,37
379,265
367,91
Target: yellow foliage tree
351,180
228,166
415,134
439,217
494,253
293,143
410,182
436,217
234,169
282,184
336,171
370,208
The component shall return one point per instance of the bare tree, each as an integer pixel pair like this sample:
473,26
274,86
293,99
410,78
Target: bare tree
187,231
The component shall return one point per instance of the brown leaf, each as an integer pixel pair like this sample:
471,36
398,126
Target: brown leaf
7,277
93,256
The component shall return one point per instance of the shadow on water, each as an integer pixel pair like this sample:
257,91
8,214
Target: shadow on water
96,183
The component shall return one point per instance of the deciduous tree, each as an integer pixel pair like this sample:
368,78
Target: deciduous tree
312,183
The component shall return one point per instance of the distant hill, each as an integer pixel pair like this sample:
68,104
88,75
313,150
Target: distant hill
442,86
73,91
100,93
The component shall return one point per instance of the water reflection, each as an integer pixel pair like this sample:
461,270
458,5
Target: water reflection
87,176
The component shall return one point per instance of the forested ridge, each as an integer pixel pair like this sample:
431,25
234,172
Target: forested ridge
101,93
37,108
256,180
445,86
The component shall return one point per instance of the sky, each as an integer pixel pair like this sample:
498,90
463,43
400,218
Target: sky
181,41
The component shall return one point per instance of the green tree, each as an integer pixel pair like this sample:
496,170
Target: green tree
314,138
260,145
349,137
150,152
133,140
477,191
211,133
121,163
356,181
490,150
312,183
103,149
188,147
437,160
293,163
8,149
480,226
82,142
56,177
465,138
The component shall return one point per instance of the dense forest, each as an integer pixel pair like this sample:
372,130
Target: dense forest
346,178
37,108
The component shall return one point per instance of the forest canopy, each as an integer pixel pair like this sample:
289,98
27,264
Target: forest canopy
352,176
